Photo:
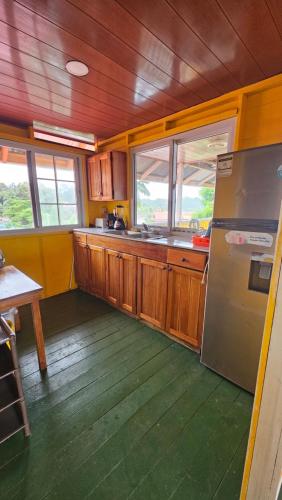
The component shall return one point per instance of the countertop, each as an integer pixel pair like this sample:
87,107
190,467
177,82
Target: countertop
181,241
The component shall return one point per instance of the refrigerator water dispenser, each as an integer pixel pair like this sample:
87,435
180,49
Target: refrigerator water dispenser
260,272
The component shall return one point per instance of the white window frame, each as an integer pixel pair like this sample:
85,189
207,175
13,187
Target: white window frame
34,195
222,127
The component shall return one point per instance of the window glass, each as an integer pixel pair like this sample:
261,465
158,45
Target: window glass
58,203
15,198
44,166
49,215
152,186
47,191
66,192
68,214
64,169
195,180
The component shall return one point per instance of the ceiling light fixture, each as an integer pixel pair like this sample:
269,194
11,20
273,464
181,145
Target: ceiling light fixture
77,68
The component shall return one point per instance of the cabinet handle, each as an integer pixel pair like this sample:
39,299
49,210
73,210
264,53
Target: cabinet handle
164,268
170,269
117,257
184,259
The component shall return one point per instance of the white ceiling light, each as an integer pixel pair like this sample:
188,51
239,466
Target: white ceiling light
77,68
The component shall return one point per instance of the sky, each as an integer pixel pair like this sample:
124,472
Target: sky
12,173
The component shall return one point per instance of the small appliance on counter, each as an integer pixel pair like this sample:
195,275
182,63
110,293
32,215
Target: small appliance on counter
101,223
119,223
116,221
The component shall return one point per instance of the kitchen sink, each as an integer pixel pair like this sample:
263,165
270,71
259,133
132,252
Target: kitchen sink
132,234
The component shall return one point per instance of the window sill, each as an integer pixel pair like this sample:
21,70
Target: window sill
38,231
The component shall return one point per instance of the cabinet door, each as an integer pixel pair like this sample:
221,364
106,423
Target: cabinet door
107,180
96,270
94,178
128,271
185,305
112,276
152,291
81,264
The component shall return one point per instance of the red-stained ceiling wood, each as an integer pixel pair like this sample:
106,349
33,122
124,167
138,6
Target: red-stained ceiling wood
146,59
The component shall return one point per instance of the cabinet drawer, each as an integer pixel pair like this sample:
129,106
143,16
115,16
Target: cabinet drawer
79,237
186,258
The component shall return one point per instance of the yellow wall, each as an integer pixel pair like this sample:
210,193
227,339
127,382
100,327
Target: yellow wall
257,107
45,257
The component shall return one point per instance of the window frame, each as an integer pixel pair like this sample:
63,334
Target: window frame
34,194
224,126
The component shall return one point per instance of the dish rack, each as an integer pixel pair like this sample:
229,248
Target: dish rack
13,413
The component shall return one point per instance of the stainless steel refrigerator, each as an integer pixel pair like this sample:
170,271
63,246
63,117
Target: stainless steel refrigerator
248,196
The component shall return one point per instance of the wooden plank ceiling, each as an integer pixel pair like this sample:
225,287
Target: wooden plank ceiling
146,59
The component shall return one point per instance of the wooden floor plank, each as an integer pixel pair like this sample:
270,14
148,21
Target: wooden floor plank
108,338
59,314
123,412
55,411
230,484
122,399
78,337
138,456
202,448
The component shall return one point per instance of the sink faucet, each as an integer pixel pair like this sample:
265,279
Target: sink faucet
145,227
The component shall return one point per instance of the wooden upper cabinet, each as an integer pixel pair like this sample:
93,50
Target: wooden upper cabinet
94,178
97,274
128,271
107,176
152,291
185,305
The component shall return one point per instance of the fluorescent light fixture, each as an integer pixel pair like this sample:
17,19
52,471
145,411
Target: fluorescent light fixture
61,135
77,68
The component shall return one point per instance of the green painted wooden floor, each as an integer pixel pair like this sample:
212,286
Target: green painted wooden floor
123,413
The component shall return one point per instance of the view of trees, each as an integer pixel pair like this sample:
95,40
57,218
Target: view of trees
15,206
200,207
207,201
144,211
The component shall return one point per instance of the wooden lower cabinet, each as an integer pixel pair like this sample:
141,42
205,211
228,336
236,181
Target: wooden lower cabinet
121,280
97,275
128,273
185,305
81,264
112,276
152,291
170,297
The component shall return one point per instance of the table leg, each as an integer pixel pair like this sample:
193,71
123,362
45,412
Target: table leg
37,324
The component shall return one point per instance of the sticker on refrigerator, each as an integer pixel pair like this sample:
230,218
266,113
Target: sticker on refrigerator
224,166
249,238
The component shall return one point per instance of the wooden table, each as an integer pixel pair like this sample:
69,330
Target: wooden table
17,289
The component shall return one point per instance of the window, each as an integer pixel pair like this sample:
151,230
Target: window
15,198
175,179
37,190
152,186
57,190
195,180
